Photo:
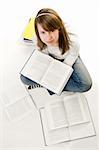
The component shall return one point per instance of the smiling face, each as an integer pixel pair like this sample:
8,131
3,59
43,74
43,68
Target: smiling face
50,38
50,30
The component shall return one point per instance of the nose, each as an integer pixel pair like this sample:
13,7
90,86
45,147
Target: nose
49,35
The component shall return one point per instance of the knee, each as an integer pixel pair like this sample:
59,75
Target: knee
23,79
88,86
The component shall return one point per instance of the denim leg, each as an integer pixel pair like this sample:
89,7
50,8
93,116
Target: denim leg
80,80
27,81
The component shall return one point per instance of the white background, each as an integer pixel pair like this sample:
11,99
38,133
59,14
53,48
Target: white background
81,17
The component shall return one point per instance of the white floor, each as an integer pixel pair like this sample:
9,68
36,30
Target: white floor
27,133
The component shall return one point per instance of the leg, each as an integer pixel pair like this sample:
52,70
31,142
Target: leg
80,80
27,81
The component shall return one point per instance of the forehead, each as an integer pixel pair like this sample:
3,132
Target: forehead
46,26
40,28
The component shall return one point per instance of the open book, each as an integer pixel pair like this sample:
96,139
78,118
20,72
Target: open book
16,102
47,71
66,119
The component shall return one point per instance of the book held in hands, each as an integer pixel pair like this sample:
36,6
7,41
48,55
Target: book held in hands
47,71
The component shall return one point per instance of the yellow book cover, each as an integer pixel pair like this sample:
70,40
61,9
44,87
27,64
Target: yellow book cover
29,31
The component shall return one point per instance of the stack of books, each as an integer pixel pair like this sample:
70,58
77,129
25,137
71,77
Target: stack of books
29,31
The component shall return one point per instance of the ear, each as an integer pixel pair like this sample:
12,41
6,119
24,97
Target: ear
29,31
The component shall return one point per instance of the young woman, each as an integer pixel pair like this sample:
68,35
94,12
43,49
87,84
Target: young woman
54,40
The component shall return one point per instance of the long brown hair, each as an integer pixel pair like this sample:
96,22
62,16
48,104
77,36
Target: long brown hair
50,21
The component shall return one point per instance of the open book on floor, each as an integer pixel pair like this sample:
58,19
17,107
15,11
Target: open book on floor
66,119
47,71
16,102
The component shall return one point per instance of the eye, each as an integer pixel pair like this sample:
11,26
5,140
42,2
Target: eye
42,32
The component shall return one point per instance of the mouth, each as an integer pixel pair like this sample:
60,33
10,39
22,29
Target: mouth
50,41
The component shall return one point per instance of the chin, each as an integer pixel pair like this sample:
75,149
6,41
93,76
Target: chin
49,44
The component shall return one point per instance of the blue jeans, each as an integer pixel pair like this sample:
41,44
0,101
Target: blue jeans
80,80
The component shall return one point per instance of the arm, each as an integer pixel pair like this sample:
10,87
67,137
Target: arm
72,54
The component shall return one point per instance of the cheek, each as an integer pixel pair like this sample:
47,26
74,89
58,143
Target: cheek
56,33
41,37
56,36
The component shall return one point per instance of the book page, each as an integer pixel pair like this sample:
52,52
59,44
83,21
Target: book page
56,115
20,109
40,99
56,76
82,131
12,93
76,109
53,136
36,66
16,101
